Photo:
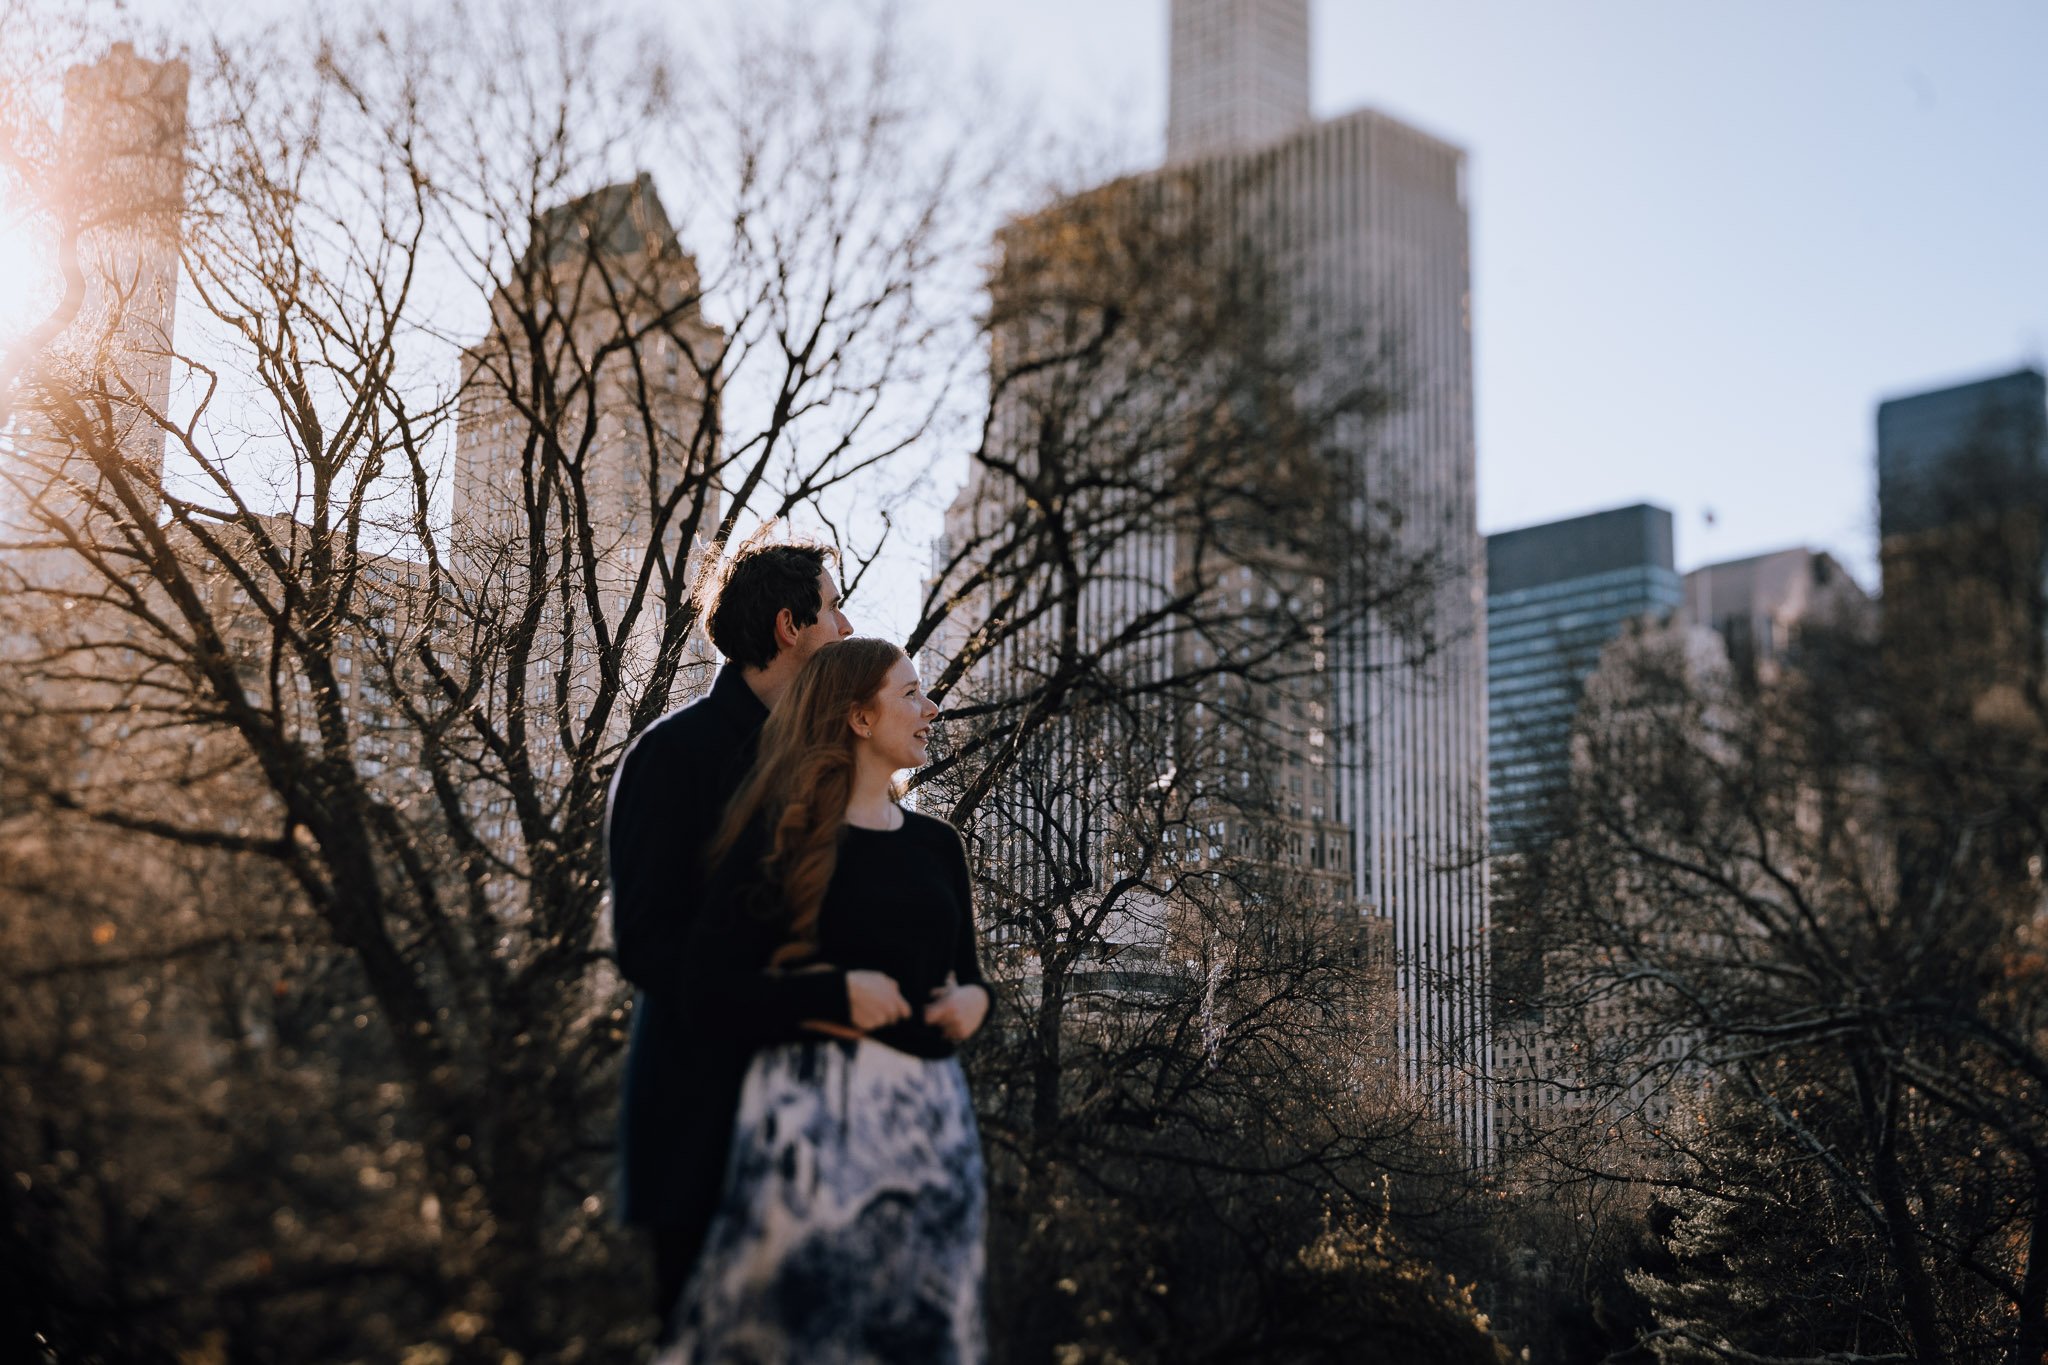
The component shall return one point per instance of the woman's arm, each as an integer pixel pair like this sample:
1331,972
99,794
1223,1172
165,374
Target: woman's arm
730,985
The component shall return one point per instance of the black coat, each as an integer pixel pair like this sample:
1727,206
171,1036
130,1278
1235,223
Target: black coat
681,1086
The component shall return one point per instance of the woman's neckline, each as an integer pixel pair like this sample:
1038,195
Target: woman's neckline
902,819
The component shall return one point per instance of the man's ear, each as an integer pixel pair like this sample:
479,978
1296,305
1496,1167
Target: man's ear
785,628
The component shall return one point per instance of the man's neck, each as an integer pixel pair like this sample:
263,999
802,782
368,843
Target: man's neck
767,684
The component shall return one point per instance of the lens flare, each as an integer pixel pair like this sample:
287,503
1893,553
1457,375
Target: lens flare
28,271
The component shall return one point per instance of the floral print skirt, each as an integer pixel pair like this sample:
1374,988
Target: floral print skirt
851,1226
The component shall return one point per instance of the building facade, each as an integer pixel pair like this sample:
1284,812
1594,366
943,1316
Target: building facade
1573,1045
122,170
1239,78
1359,222
1364,221
1927,441
1760,605
1559,597
619,437
1963,543
1557,594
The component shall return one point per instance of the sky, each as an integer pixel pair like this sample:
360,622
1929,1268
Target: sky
1708,238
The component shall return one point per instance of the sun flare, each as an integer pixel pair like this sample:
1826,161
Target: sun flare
27,272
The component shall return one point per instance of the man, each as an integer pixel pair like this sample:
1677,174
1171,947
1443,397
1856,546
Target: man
776,606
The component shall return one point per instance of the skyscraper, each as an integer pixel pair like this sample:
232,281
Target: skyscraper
1567,601
1358,224
124,154
1240,76
1363,220
1557,594
1962,491
1935,447
120,186
633,415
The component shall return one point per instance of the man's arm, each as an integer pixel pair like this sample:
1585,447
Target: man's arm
665,805
729,944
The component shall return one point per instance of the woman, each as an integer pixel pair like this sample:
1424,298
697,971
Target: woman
850,1224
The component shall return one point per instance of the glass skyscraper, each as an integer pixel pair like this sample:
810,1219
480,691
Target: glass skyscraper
1364,219
1935,449
1962,495
1557,594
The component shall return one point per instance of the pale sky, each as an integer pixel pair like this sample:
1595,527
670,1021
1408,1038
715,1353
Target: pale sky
1707,237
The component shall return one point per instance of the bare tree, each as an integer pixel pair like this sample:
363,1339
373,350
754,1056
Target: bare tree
400,679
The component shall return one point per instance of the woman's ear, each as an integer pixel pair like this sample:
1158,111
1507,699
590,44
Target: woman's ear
860,722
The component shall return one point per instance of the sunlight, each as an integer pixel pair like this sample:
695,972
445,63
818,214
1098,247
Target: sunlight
27,275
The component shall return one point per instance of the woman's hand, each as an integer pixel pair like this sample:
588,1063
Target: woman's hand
957,1011
874,1000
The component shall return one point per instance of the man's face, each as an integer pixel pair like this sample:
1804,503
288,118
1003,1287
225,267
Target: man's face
831,623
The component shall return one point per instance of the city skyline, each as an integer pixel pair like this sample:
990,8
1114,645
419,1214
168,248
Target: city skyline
316,695
1647,187
1631,220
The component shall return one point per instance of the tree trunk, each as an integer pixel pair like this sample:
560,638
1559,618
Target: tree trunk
1881,1123
2030,1343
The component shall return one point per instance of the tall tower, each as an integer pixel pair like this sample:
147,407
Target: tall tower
630,361
117,194
1239,76
1962,511
1362,219
1557,595
124,161
610,267
1358,226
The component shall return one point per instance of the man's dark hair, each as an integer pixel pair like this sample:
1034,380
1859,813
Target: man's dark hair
757,584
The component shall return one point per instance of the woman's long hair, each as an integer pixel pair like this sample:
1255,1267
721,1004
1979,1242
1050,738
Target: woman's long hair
802,779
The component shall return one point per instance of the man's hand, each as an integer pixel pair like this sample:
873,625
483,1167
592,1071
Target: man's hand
874,1000
956,1010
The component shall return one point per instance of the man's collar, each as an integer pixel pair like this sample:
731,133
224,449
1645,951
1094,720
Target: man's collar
730,688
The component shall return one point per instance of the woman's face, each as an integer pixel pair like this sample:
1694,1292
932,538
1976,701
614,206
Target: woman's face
896,723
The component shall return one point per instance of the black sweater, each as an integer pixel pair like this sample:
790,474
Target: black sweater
899,902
